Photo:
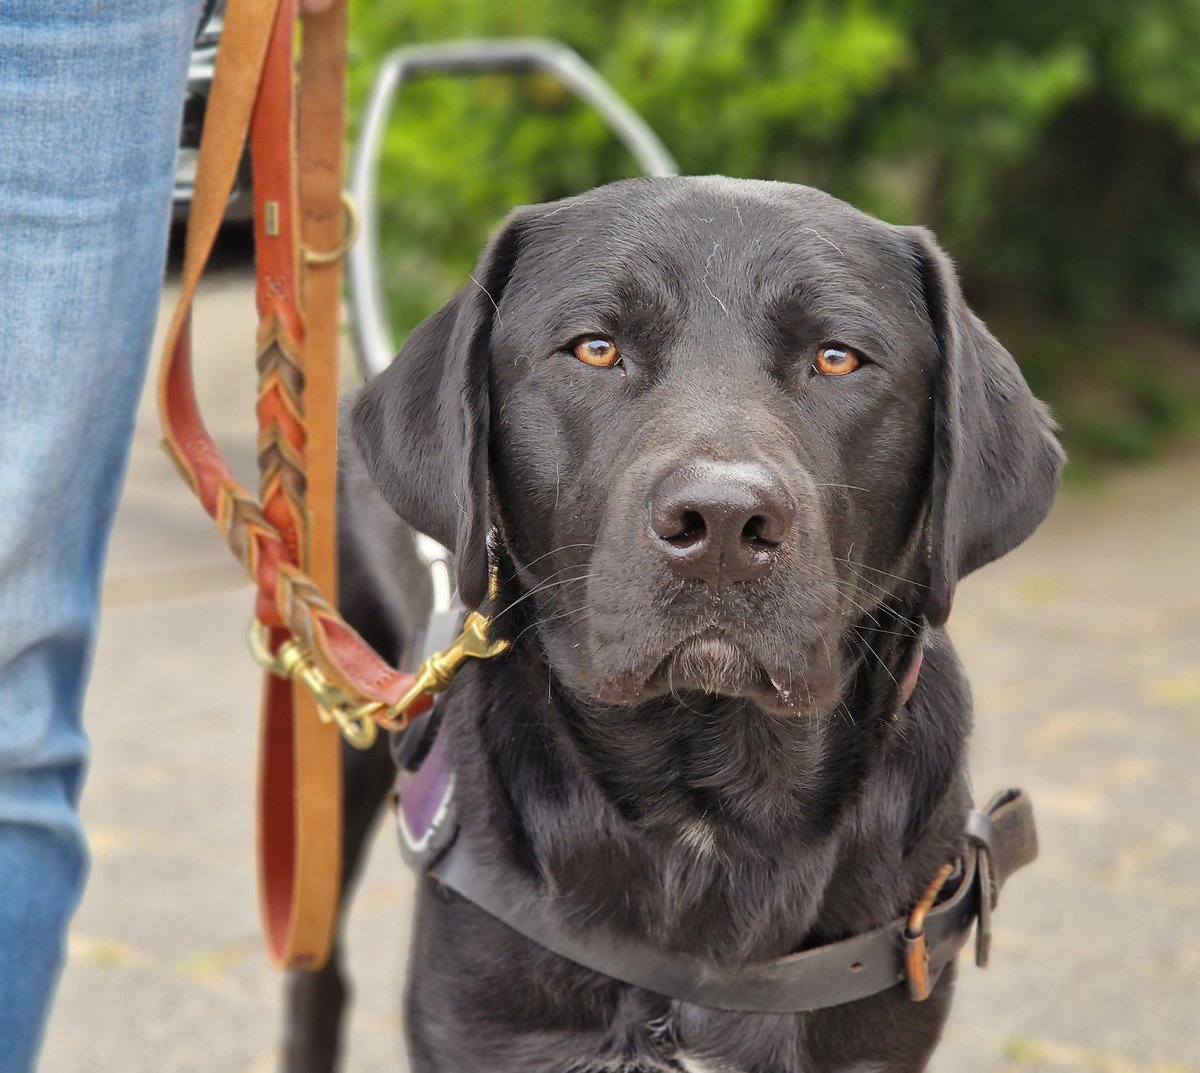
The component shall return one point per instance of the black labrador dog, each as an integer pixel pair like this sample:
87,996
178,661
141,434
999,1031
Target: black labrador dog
727,447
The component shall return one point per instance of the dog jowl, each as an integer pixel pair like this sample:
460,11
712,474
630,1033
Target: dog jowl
727,447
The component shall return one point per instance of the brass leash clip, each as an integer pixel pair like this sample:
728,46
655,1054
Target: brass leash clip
438,669
360,723
291,660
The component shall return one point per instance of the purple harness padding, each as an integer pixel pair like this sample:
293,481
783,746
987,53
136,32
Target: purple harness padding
425,816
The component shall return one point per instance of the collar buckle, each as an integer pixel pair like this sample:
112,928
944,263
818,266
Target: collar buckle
916,950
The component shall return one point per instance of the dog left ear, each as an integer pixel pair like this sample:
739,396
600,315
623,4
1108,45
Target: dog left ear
422,424
996,461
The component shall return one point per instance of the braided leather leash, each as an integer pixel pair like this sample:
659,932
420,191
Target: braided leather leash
322,675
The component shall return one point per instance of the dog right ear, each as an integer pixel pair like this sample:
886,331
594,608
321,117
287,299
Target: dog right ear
422,424
996,461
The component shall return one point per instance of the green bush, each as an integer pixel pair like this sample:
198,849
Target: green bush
1054,148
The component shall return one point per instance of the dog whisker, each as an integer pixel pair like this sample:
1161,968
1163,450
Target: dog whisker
878,629
524,569
866,610
879,609
675,692
541,588
879,659
551,618
848,715
851,487
876,570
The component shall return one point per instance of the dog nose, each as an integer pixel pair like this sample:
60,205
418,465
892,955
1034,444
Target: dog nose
720,522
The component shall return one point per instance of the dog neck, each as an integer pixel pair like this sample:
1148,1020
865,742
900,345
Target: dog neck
670,824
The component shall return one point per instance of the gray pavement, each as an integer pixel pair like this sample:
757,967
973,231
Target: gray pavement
1084,651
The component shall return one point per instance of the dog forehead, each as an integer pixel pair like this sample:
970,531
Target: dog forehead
731,240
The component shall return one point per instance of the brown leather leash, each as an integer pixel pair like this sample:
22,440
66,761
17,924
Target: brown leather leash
323,677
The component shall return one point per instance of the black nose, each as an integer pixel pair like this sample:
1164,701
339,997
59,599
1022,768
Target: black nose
720,522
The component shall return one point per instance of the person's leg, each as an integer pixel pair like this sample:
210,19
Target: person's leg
92,96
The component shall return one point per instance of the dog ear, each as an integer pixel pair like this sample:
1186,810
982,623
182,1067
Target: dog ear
996,462
422,424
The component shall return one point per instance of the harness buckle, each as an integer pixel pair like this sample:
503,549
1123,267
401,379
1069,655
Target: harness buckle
916,950
980,833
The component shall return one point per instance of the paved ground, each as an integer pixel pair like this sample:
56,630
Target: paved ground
1084,649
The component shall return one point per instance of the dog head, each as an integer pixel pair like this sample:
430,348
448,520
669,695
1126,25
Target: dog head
726,436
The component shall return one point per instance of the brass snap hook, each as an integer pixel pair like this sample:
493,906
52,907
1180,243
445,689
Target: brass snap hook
437,670
355,722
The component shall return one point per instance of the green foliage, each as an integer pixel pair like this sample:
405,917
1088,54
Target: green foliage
1054,148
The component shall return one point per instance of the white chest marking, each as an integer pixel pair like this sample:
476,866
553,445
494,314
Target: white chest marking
693,1066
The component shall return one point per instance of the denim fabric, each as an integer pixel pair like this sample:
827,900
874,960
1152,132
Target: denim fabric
90,100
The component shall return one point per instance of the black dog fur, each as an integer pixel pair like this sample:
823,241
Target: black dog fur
713,765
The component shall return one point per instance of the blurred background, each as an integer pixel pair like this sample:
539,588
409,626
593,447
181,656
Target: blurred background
1053,147
1055,150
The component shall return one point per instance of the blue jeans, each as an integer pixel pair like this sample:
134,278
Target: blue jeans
90,104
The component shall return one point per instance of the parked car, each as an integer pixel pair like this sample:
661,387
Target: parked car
199,84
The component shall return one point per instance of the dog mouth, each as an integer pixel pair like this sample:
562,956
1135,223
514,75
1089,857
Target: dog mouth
710,665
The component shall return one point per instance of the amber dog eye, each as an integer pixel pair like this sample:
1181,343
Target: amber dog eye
836,361
598,351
